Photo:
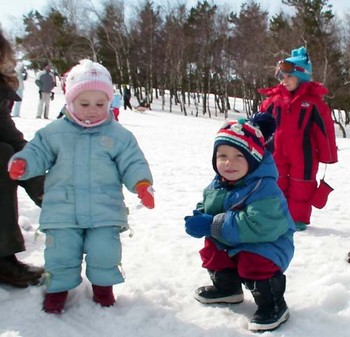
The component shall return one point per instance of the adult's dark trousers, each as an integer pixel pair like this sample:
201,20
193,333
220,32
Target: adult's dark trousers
11,238
127,104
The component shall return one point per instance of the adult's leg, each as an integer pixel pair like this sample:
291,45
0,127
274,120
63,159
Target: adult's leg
129,105
17,105
12,271
40,106
11,238
46,96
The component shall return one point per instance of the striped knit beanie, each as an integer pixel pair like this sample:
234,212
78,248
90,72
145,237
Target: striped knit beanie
248,136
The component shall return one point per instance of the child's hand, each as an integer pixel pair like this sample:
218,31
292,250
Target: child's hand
199,224
145,192
17,168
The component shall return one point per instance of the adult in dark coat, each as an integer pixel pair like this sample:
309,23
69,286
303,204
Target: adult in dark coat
126,97
12,271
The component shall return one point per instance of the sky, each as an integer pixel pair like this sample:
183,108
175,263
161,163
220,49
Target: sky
161,262
12,11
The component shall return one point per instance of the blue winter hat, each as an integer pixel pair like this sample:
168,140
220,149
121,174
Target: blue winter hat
298,65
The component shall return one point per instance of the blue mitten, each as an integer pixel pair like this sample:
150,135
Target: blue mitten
198,225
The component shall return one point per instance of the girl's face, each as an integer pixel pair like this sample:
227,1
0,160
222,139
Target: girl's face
289,81
231,163
91,106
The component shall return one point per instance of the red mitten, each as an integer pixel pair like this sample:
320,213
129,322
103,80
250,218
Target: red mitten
17,168
145,192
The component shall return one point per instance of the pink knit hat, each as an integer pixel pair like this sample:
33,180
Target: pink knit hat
87,75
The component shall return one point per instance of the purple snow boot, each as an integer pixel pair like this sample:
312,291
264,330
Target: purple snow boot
103,295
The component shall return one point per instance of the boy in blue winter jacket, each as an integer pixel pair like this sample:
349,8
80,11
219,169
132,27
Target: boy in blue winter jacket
245,220
88,157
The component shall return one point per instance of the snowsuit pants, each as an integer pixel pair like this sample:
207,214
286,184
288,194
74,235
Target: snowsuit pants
249,266
11,238
297,180
64,255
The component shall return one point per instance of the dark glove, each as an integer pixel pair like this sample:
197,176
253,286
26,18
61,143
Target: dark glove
40,94
52,95
199,224
34,188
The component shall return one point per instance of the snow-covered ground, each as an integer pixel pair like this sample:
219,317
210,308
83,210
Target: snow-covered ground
161,262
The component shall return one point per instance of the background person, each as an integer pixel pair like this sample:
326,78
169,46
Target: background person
12,271
127,97
16,110
305,134
46,82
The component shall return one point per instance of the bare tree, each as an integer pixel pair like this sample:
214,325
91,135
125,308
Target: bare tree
249,42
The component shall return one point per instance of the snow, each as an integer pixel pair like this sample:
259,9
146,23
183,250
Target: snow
161,262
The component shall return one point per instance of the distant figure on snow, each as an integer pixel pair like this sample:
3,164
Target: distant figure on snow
16,110
46,82
127,97
115,106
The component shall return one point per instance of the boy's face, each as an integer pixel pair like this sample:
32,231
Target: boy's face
289,81
91,106
231,163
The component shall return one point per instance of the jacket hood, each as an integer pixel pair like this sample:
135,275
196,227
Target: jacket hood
266,169
68,115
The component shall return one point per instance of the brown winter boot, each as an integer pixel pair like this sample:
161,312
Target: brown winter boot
54,302
103,295
18,274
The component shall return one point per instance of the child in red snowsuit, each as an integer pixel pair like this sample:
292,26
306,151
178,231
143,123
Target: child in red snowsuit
304,135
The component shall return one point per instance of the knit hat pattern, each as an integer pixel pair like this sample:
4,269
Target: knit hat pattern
88,75
300,58
247,136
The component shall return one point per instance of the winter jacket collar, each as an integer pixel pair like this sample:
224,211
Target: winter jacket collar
305,88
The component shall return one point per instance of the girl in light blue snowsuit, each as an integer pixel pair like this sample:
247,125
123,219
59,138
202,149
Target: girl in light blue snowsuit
88,157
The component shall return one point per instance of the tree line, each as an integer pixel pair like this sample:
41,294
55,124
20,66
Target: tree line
182,55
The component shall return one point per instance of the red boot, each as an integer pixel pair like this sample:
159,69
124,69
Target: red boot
54,302
103,295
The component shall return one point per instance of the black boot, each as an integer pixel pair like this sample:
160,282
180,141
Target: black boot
18,274
226,288
272,308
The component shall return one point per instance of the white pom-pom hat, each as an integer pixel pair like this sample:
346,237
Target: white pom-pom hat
87,75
